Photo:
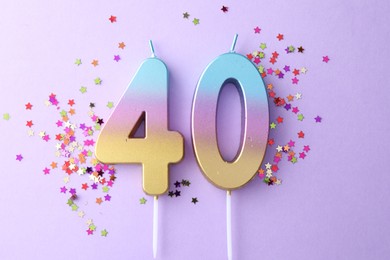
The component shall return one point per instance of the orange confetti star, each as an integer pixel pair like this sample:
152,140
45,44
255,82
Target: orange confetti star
72,111
121,45
290,98
53,165
95,63
99,201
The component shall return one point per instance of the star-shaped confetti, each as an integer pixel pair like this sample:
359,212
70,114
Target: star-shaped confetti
257,29
186,15
195,21
110,104
194,200
112,19
78,62
83,89
280,37
325,59
6,116
225,9
97,81
117,58
318,119
121,45
19,157
28,106
142,200
103,233
95,63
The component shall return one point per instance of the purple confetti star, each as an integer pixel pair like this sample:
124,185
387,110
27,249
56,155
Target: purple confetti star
117,58
63,189
107,197
318,119
19,157
72,191
94,186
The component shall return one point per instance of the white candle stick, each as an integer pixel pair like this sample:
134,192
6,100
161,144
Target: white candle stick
229,224
155,226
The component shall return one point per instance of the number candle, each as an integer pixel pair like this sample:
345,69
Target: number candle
145,100
229,175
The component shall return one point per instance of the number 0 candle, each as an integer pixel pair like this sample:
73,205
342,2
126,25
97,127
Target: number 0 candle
229,175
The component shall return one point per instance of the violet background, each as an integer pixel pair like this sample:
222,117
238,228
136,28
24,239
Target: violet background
332,205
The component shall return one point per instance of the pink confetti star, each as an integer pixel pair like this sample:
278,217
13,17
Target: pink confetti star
325,59
295,80
306,148
19,157
257,29
117,58
46,171
295,110
302,155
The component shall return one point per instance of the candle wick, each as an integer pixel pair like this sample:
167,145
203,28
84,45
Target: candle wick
152,48
234,43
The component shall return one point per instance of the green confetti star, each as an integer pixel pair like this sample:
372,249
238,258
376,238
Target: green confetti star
104,233
196,21
90,153
70,202
261,68
300,117
110,104
263,46
63,113
83,90
97,127
273,125
142,200
77,62
294,160
105,189
6,116
92,227
261,55
98,81
74,207
291,48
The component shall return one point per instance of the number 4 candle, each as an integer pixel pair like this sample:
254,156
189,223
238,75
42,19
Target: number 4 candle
145,100
229,175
